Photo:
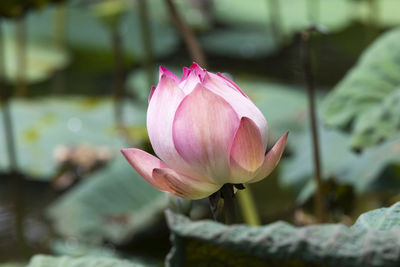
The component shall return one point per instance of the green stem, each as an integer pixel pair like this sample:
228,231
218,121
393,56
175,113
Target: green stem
228,195
319,198
146,41
119,88
373,7
248,207
373,20
59,42
188,36
59,25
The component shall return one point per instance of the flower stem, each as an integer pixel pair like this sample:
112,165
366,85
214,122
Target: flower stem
228,195
248,207
59,26
119,90
188,36
319,198
373,8
59,42
146,41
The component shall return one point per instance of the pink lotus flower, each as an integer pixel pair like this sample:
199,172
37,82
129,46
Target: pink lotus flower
207,132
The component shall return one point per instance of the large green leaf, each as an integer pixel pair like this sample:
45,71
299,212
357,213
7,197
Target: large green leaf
298,170
368,98
339,163
43,124
113,204
364,170
42,60
50,261
371,241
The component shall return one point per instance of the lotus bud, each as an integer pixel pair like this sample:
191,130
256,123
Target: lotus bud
206,132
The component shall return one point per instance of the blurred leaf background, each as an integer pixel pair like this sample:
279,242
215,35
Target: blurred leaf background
75,77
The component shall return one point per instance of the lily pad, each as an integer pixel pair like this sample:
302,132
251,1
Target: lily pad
364,170
371,241
41,125
368,98
64,261
298,170
111,205
42,60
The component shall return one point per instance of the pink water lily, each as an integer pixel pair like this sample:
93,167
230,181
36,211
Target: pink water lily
207,132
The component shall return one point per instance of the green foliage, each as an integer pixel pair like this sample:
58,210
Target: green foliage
371,241
363,171
368,98
42,59
49,261
298,170
339,163
74,248
69,121
113,204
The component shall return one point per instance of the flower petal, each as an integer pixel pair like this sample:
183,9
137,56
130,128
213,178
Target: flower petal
198,70
190,82
247,152
185,73
231,83
203,132
184,186
160,115
243,106
153,88
162,71
144,163
271,159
